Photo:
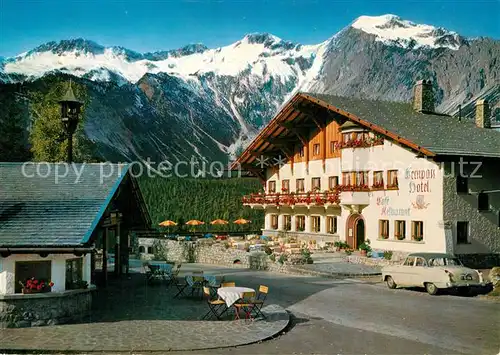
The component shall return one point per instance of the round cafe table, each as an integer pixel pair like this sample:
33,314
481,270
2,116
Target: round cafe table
232,294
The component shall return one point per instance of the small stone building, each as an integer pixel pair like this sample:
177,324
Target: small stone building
54,218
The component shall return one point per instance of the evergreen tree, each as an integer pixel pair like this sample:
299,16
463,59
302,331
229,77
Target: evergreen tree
48,138
182,199
13,129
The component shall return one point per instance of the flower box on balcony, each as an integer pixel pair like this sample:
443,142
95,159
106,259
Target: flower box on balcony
392,187
354,188
378,186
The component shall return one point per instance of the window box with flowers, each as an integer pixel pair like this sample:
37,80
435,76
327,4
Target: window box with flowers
33,285
417,238
355,188
378,185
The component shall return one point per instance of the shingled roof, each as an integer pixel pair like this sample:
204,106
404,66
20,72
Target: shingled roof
40,209
440,134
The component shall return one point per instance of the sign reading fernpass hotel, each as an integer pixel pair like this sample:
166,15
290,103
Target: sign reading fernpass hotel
419,183
423,175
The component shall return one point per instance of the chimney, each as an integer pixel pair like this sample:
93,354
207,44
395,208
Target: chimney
423,98
483,114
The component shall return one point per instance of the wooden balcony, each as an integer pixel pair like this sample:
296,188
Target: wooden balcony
307,199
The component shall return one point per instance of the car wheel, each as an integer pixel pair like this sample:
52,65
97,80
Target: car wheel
390,282
431,288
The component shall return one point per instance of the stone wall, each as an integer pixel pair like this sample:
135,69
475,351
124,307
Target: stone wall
33,310
480,261
202,251
484,231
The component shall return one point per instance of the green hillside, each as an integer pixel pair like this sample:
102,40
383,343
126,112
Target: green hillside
182,199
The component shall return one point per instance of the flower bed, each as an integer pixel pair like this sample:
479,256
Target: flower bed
36,286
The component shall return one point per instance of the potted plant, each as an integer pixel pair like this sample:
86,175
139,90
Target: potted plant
338,245
365,247
36,286
306,256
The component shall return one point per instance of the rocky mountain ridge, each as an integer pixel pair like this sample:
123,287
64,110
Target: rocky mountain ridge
209,103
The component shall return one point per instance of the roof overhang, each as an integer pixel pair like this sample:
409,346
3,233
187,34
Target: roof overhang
293,124
20,249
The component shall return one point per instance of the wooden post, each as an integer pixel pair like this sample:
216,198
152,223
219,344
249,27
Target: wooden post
306,153
105,256
118,258
323,138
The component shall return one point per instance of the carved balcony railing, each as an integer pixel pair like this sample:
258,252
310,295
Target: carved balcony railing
292,199
361,143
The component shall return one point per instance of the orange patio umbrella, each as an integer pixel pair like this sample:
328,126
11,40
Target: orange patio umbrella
168,223
219,221
242,221
194,222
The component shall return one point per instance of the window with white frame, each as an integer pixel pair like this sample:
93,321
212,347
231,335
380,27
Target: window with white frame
315,224
400,229
287,222
300,223
274,221
331,224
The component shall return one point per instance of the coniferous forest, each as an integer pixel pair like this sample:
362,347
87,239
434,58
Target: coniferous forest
183,199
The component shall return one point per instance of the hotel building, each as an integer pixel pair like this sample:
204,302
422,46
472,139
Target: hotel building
401,175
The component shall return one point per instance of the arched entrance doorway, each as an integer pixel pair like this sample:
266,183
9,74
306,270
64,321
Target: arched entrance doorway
355,230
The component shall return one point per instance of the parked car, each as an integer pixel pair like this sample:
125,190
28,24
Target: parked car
433,271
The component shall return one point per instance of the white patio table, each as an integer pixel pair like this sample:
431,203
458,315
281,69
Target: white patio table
232,294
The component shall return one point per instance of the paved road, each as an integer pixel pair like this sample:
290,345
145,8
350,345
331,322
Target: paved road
354,317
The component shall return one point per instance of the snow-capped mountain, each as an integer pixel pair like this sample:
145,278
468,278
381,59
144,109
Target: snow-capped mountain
208,103
263,54
392,30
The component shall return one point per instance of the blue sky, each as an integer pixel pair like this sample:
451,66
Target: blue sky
151,25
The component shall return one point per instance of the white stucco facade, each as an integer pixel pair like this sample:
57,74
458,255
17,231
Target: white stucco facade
58,270
425,188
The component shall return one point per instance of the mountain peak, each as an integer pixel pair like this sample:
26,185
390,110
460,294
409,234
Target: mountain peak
69,45
261,38
392,29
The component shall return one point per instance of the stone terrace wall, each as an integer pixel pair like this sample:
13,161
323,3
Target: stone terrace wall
203,251
21,311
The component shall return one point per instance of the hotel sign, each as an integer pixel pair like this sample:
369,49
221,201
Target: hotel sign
419,179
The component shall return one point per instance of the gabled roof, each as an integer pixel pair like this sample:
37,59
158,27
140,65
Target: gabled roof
40,208
428,134
440,134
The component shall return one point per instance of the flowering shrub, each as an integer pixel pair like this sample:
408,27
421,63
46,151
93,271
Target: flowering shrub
34,285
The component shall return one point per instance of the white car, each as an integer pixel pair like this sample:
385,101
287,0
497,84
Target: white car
433,271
